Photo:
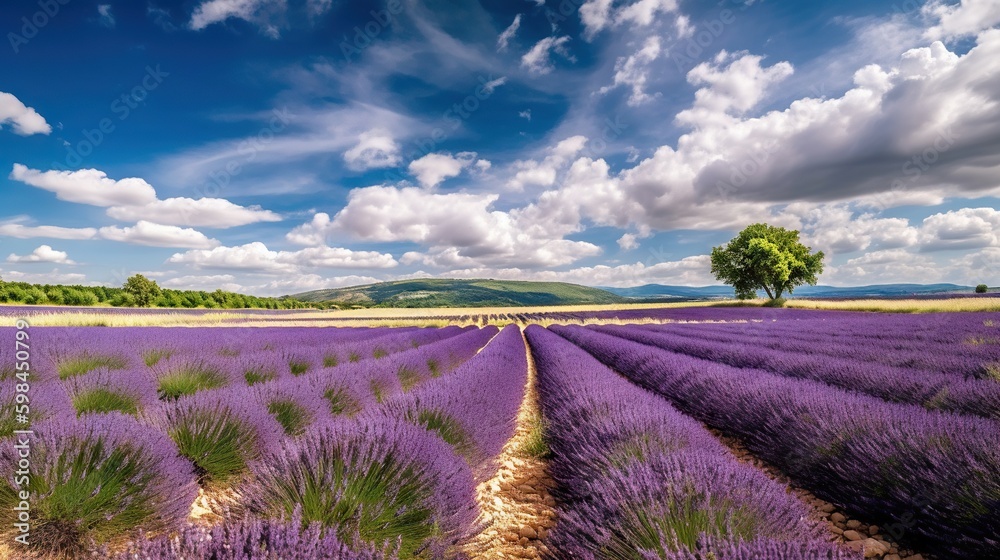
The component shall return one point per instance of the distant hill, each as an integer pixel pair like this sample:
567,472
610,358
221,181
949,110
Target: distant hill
661,292
461,293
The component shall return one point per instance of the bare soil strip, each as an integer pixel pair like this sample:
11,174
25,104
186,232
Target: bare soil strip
207,508
853,533
517,508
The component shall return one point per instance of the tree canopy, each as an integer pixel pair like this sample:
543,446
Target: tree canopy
143,290
768,258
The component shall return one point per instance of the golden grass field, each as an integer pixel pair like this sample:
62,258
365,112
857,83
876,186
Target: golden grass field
394,317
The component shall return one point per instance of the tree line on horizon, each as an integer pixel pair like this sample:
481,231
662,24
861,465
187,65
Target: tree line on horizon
139,291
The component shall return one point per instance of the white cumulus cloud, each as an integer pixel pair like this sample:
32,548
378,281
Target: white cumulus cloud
633,72
257,257
967,17
25,120
432,169
43,254
133,199
158,235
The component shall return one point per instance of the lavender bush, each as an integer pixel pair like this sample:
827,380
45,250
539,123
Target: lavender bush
98,479
106,390
220,432
295,405
383,480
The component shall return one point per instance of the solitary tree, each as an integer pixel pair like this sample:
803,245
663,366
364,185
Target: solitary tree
982,288
768,258
142,289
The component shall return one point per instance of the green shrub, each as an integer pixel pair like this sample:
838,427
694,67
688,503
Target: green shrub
121,299
35,296
534,444
54,295
776,302
982,289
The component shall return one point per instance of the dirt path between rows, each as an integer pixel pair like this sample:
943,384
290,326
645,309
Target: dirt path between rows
852,533
516,505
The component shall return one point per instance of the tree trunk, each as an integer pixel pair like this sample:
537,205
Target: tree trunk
768,290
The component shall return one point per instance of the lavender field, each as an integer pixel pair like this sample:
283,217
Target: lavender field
698,433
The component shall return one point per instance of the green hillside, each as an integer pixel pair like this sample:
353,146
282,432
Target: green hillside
460,293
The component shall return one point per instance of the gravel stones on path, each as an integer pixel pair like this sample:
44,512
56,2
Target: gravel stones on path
852,533
516,505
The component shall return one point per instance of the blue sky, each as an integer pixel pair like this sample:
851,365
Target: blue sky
276,146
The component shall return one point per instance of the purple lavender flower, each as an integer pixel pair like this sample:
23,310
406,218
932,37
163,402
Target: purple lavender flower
45,399
252,539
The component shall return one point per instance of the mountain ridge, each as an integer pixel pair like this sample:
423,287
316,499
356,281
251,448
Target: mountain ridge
439,292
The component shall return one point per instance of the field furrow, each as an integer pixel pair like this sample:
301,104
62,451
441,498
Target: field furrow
515,503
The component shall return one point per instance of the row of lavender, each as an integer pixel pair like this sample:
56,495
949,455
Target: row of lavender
745,314
930,389
639,480
375,454
955,343
95,369
928,478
